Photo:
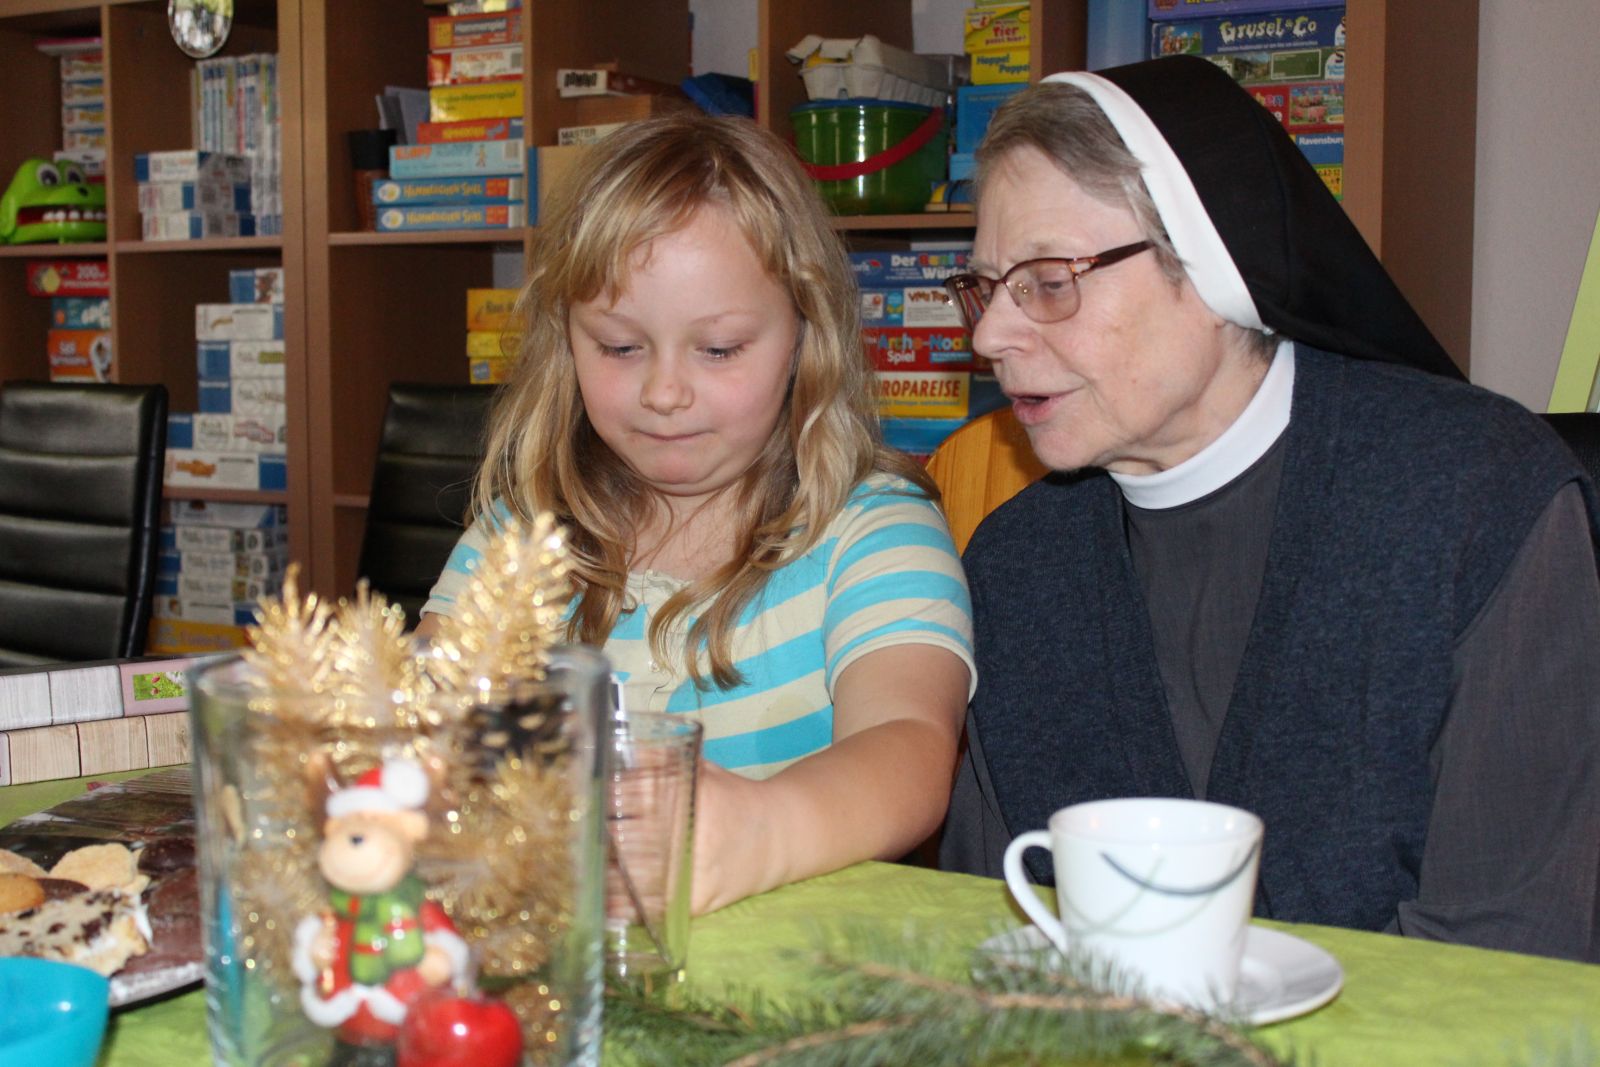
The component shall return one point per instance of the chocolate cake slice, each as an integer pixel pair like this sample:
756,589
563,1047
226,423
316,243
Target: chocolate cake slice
100,929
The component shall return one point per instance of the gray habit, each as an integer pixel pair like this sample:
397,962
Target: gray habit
1512,858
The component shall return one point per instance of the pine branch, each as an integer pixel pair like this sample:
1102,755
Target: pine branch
796,1046
881,1001
1079,1001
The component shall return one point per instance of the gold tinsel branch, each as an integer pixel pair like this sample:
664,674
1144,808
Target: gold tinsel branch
374,663
492,869
291,644
512,610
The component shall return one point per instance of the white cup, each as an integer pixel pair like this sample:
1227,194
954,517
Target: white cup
1161,889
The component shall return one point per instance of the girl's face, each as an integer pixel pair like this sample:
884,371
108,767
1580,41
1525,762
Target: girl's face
684,374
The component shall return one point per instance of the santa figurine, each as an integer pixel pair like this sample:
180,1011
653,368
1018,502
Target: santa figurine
381,944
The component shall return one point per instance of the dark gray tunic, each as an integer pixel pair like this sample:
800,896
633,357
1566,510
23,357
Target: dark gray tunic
1512,858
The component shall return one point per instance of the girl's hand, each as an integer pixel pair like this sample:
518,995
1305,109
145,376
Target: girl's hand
732,839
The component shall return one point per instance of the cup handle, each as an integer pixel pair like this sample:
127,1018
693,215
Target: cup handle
1022,889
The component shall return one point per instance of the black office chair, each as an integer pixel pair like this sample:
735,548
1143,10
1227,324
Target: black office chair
80,518
1581,431
428,455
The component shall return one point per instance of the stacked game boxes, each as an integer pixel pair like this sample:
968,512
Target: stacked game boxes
975,106
83,103
217,560
79,339
997,37
604,98
236,112
191,194
1290,55
596,114
491,335
929,381
68,720
237,438
466,172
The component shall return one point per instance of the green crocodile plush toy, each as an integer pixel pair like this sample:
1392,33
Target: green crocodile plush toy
51,202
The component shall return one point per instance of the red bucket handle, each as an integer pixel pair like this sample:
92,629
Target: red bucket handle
918,137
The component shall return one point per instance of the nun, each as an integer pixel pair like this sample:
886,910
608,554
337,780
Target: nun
1288,559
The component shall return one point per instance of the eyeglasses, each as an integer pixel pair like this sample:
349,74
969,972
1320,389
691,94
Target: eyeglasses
1045,289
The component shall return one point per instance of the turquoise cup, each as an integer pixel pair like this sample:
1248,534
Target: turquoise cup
51,1013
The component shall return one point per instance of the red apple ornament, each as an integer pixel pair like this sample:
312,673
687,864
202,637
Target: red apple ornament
444,1030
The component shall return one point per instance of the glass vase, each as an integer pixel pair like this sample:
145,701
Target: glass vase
402,885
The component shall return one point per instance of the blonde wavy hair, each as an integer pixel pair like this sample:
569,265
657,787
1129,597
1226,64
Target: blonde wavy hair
642,182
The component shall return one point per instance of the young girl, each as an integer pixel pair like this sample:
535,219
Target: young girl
693,402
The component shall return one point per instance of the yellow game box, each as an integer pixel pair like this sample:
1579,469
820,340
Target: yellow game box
491,344
998,66
490,309
489,100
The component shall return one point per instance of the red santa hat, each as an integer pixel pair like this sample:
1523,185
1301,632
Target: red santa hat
398,785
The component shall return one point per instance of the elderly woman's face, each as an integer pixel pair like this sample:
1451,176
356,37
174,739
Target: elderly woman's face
1143,375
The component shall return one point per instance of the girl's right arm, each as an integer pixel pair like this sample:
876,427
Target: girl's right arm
876,793
898,634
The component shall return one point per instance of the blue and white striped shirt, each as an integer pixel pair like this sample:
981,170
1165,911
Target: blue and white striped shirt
884,573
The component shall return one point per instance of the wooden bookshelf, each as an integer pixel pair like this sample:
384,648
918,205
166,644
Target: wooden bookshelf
1411,116
366,309
154,284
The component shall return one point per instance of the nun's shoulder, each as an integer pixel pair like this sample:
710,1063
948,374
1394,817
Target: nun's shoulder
1461,422
1037,518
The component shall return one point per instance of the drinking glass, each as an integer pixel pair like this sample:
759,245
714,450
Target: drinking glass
650,828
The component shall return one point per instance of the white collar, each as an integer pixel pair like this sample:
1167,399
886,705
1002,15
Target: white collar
1255,431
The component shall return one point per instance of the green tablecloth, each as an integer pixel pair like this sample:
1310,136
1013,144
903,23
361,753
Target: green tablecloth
1404,1002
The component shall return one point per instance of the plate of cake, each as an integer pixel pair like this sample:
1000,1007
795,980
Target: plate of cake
107,880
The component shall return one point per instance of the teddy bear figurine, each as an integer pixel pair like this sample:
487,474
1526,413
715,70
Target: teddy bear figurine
381,944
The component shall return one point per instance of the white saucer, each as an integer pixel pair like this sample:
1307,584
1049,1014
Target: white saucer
1280,977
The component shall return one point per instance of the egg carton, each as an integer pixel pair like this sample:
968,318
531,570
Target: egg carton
848,68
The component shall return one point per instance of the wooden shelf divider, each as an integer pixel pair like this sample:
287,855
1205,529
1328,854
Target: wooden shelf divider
54,251
930,220
366,238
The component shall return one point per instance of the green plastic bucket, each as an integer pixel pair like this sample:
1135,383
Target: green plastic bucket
872,157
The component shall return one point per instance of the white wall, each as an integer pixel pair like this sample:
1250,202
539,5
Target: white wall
724,33
1538,186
